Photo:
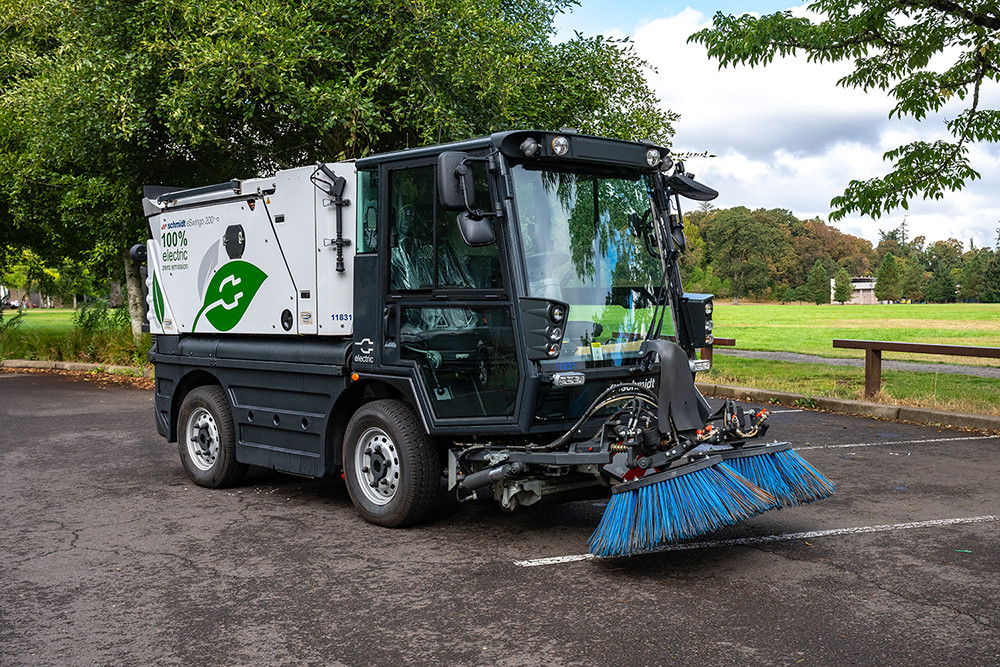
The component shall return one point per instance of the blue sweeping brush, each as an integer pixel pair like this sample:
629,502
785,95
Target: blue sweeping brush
781,472
675,505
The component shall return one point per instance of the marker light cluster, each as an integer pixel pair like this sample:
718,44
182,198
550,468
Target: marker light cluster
709,338
557,315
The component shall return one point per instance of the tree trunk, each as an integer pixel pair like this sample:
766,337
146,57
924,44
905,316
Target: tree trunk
133,287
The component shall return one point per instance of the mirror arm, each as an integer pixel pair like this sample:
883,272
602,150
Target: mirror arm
460,173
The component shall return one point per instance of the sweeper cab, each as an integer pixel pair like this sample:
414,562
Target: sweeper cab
501,316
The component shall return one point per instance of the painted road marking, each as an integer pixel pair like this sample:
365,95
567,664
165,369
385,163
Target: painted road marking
897,442
764,539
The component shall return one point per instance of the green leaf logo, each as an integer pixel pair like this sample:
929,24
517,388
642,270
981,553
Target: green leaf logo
229,294
157,299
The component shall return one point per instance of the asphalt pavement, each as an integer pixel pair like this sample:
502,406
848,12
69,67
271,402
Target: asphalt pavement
110,556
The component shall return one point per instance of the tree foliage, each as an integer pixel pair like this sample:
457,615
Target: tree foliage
744,247
914,281
101,97
887,280
941,288
843,288
818,284
990,289
897,46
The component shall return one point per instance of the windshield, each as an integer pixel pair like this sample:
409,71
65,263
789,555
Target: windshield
579,247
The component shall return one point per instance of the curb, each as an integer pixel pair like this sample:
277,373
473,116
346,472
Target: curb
841,405
74,366
857,408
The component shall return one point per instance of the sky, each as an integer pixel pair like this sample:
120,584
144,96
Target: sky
786,136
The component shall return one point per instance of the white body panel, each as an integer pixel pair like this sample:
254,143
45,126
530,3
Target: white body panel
219,263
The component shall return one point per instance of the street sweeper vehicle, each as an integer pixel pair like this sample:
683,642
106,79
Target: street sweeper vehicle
502,316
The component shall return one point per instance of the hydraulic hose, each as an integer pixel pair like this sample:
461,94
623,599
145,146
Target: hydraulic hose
638,391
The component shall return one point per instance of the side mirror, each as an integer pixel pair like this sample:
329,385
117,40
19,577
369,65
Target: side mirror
475,231
454,182
687,187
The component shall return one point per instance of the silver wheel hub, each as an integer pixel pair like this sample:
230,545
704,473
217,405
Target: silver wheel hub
376,466
202,438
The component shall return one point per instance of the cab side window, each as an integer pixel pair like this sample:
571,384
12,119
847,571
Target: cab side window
412,229
428,251
367,233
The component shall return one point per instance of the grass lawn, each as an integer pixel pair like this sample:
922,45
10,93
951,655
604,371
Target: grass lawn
810,329
56,320
50,335
943,391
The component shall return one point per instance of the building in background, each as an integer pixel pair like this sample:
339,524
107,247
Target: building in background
864,291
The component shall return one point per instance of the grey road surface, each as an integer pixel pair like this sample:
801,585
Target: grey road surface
109,556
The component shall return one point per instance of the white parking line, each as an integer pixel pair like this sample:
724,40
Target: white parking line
897,442
763,539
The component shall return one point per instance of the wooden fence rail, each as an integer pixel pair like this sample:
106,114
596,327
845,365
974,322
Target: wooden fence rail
874,349
706,352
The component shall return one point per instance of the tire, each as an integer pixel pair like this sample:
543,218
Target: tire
391,467
206,438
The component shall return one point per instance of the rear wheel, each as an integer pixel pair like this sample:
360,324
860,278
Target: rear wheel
206,438
391,467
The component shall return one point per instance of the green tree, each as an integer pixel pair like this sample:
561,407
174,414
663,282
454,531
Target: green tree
843,288
923,52
914,281
101,97
818,284
972,272
941,287
989,291
887,280
948,252
743,248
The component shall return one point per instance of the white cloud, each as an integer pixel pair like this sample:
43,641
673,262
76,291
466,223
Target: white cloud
787,136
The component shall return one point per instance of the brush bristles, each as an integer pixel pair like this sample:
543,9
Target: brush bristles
785,475
676,509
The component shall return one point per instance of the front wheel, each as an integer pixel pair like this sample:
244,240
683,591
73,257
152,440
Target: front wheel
391,467
207,438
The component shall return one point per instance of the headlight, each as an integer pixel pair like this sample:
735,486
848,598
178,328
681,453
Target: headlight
709,339
560,145
708,309
708,326
699,365
529,147
652,157
555,334
553,349
568,379
557,313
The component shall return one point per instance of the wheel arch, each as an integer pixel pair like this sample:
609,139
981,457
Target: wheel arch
356,395
187,383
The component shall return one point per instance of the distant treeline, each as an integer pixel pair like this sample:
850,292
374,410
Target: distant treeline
770,254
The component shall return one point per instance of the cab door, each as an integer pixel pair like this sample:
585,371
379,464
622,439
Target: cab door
447,306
